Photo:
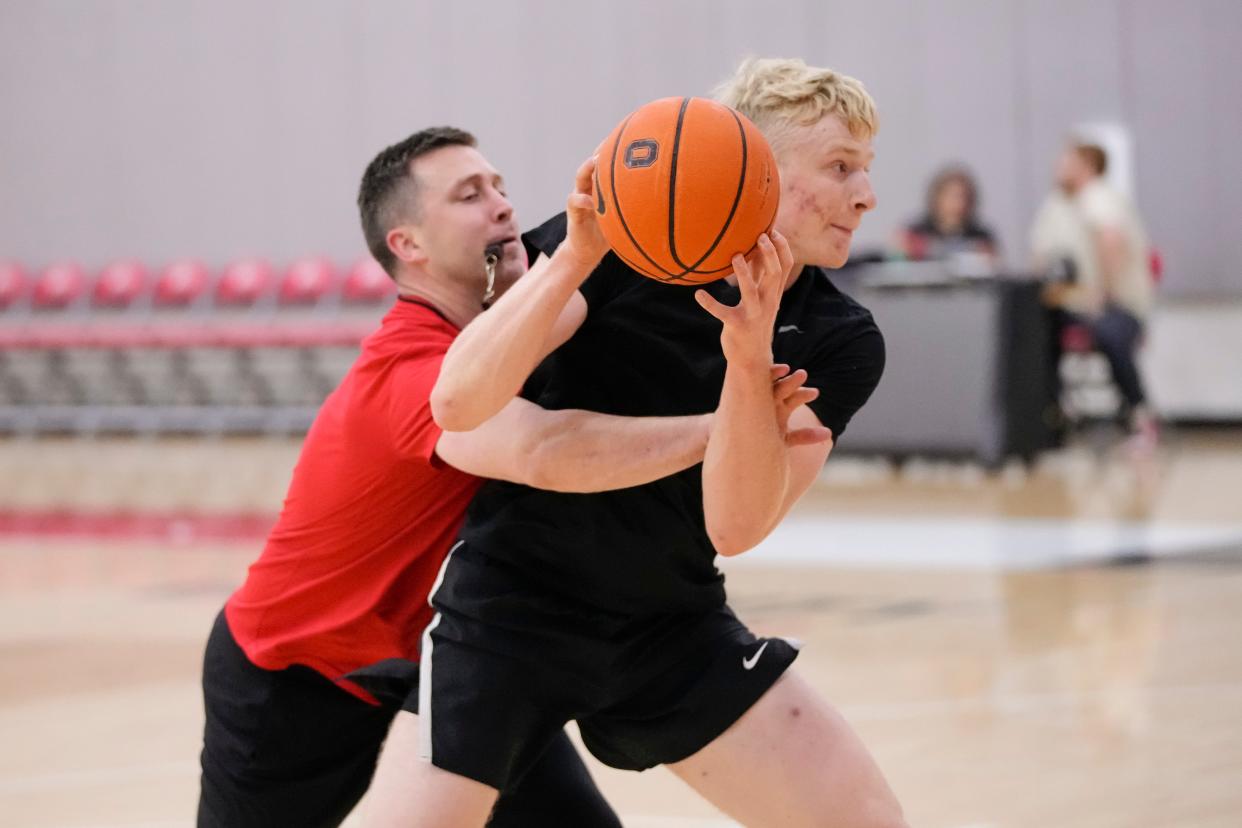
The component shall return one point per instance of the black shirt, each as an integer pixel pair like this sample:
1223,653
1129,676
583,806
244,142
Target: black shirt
648,349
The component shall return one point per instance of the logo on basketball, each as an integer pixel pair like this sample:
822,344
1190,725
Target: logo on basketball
687,183
641,153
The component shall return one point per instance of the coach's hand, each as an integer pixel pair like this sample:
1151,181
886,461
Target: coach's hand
747,334
583,239
788,394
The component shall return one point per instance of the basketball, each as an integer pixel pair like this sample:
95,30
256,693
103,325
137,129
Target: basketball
684,184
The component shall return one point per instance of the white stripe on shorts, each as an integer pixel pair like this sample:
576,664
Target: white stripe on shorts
424,667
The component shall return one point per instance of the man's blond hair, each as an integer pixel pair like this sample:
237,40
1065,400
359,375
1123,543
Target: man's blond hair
779,93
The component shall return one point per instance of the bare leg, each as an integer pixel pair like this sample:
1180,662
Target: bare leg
410,792
792,760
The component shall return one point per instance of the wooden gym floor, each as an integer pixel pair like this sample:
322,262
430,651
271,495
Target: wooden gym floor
1058,647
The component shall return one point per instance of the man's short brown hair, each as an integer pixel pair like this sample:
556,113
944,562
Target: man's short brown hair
389,194
1094,155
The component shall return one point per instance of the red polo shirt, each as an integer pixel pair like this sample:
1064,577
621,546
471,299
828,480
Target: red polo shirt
370,515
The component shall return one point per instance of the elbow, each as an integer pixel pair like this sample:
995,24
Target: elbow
729,543
732,534
450,411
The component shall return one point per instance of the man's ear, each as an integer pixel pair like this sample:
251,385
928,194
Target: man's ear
403,241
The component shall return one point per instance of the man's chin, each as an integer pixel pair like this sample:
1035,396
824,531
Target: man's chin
834,259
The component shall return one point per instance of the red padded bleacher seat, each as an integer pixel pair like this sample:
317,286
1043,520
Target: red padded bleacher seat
119,284
1077,339
306,281
59,286
181,283
243,283
368,282
12,283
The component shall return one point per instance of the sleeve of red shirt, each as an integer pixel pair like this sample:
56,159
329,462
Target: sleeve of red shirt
413,429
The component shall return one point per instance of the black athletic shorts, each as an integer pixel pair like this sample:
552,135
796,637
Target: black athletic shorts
505,665
290,748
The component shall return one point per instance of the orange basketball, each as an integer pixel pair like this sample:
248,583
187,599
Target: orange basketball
683,184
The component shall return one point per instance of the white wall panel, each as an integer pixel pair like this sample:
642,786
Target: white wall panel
230,128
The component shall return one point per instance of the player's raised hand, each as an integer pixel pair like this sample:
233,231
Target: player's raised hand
583,238
747,333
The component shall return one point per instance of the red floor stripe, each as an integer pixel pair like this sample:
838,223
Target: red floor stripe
179,526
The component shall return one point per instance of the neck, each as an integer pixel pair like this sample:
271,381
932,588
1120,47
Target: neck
457,302
794,273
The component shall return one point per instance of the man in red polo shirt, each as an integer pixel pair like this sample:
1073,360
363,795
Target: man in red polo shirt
314,654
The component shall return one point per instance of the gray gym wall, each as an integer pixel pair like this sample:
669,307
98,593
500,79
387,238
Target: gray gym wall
223,128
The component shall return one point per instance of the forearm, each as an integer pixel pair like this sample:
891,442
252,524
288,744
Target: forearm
575,451
582,451
745,468
495,354
1111,248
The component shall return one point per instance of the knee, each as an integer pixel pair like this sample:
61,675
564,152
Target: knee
876,808
1112,343
887,814
1116,332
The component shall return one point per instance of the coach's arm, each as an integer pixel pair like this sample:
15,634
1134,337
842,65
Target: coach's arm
492,358
579,451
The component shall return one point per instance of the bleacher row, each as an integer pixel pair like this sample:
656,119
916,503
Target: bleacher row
180,349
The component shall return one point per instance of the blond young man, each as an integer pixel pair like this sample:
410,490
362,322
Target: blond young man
607,608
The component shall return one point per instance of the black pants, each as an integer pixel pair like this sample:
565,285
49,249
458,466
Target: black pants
290,748
1117,334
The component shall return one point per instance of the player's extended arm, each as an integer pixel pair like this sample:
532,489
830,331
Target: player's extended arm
571,450
750,476
1110,245
582,451
492,358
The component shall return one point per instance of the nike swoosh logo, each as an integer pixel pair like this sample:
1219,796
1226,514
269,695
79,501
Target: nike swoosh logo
788,328
749,663
599,196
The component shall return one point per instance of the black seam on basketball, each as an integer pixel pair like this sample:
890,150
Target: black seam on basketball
664,280
640,269
737,199
616,204
729,267
672,187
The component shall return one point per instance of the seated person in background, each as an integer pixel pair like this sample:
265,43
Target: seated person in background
950,226
1091,236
